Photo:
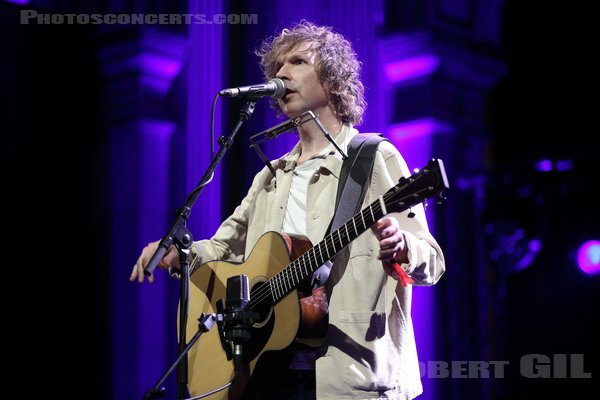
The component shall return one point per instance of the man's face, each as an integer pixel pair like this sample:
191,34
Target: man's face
304,91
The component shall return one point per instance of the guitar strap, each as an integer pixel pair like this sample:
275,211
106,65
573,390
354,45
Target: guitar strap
352,187
354,175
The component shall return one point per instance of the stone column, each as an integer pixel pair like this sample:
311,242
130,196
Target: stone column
139,66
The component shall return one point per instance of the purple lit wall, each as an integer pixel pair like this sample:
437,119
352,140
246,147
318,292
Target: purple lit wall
205,79
139,69
415,67
139,156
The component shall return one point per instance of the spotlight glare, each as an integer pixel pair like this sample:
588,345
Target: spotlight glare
588,257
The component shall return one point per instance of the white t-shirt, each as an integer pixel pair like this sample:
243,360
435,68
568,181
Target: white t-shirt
294,221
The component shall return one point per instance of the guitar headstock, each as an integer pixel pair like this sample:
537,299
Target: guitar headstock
428,182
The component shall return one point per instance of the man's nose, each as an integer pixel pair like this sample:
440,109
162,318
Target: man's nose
284,72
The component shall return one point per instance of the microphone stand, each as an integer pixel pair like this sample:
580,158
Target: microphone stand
180,236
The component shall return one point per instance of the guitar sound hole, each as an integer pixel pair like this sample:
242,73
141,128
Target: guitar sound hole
260,304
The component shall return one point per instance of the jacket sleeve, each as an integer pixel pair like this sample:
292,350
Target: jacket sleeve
426,260
229,241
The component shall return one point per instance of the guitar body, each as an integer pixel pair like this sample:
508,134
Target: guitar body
209,366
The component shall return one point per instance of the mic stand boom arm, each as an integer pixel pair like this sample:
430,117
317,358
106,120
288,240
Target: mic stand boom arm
183,213
180,236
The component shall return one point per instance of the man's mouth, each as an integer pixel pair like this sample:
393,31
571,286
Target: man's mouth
288,93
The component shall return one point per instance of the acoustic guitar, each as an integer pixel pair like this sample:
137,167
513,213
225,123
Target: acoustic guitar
276,265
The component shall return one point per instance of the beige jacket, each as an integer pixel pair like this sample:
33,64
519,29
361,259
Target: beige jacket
370,350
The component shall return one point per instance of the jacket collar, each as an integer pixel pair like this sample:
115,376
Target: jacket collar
333,159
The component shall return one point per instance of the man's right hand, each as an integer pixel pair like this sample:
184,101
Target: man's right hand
171,259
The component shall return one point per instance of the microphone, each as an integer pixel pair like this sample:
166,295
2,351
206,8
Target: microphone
274,88
238,321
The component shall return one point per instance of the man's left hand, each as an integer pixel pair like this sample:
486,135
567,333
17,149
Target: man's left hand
391,240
